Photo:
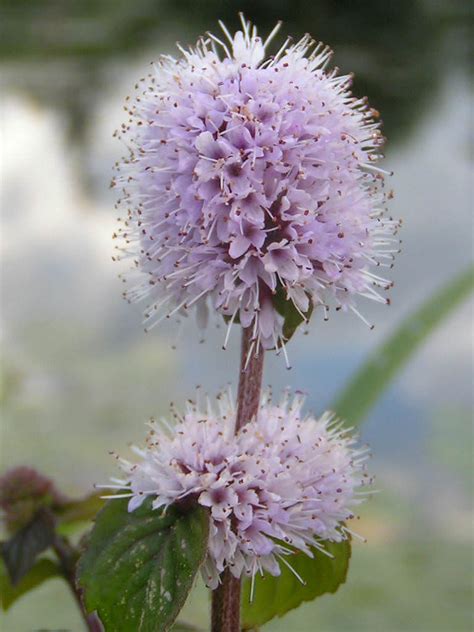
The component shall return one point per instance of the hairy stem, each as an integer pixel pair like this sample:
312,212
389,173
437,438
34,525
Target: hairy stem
226,598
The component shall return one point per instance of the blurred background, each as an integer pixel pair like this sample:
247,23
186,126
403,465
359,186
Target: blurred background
80,377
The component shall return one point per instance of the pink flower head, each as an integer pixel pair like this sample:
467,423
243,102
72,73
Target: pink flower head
283,480
249,178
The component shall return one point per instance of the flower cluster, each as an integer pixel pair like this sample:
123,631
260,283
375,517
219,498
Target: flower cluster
248,177
23,491
284,482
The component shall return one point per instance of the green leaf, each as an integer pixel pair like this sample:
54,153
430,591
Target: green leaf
77,511
43,570
139,567
374,376
20,552
292,317
275,596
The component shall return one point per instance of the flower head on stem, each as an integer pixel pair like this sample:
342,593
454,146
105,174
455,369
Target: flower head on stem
250,178
284,482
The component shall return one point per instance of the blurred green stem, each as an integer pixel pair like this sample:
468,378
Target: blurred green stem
372,379
225,616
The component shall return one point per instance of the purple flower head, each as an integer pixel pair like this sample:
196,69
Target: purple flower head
251,183
285,480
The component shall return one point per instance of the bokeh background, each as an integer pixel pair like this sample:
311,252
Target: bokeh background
81,377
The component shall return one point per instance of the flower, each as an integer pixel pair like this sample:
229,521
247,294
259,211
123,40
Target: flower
285,480
251,178
23,492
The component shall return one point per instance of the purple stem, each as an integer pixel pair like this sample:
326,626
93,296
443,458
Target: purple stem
225,616
67,556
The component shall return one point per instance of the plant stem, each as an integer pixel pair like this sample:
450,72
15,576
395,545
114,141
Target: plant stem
67,556
225,615
250,380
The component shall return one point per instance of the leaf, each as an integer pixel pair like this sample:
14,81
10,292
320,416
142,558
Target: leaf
275,596
292,317
20,552
76,511
139,567
42,571
374,376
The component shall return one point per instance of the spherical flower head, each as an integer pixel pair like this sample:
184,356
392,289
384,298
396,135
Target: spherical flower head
250,187
285,482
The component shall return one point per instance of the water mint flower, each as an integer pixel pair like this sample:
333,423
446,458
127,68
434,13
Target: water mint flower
23,492
251,178
285,480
